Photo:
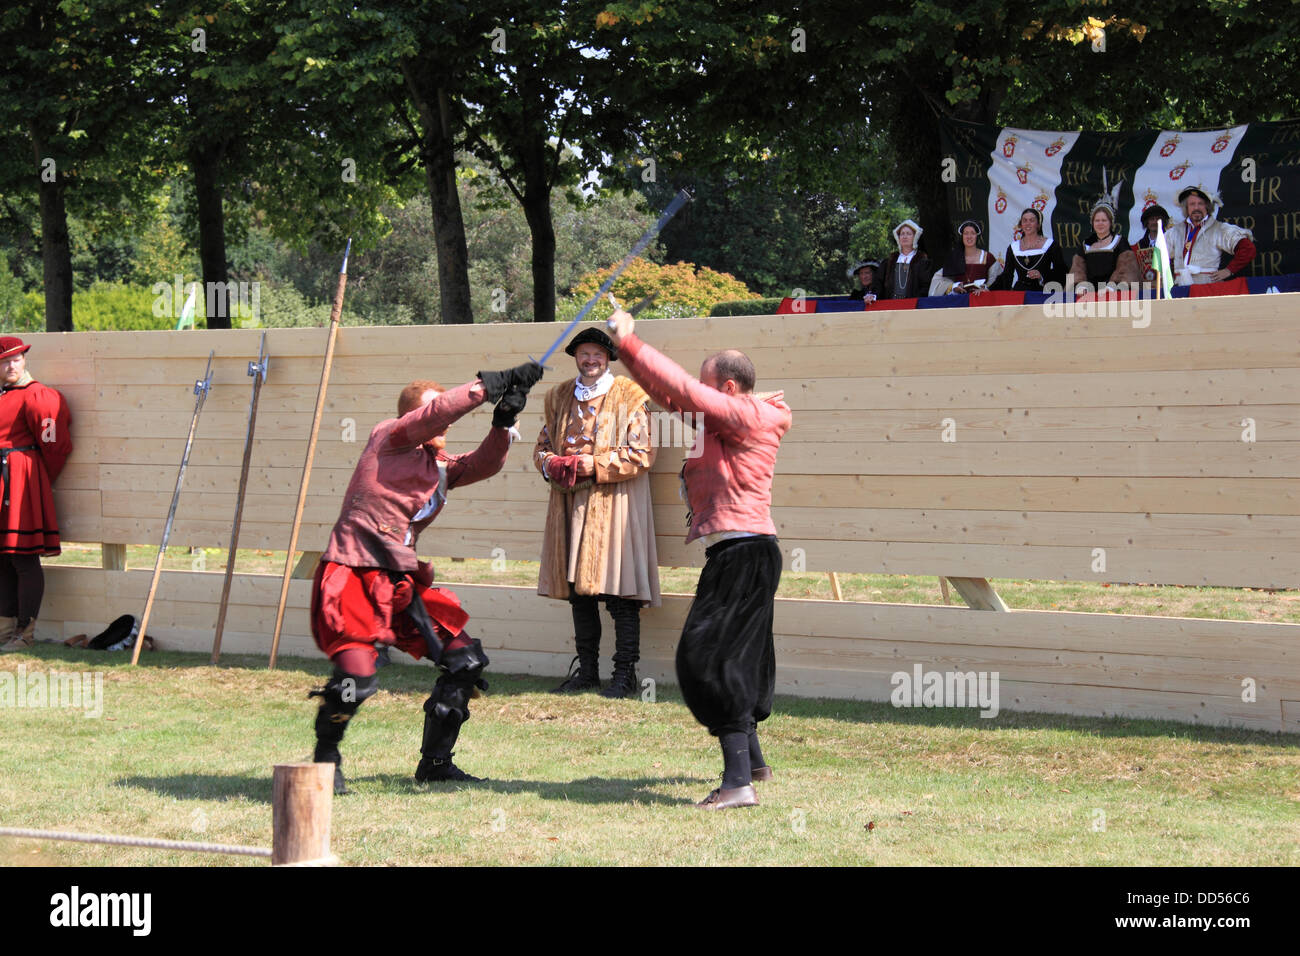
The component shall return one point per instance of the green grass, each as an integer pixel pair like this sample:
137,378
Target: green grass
184,751
1235,604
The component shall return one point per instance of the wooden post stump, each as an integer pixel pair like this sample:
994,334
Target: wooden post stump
302,797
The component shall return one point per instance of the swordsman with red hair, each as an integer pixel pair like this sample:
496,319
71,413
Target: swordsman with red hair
371,590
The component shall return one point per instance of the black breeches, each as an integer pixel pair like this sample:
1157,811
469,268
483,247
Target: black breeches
726,662
22,586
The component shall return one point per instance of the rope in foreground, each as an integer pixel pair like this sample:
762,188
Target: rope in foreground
112,840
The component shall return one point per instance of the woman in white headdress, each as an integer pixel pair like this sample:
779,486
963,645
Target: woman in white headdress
906,272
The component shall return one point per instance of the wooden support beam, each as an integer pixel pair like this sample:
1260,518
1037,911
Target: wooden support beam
114,557
305,569
835,586
978,593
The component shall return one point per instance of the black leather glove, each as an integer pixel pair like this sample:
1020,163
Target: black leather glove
506,412
521,376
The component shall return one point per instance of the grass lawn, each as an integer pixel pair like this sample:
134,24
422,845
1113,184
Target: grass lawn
184,751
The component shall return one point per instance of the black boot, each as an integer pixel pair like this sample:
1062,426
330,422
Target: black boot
627,647
584,670
445,710
341,697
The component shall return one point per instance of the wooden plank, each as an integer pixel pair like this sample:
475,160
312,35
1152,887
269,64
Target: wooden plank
207,476
1266,643
1227,569
1142,423
1123,352
1194,496
1258,314
1063,667
1279,459
213,533
960,389
1090,529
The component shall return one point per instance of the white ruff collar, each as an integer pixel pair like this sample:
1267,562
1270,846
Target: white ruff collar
585,393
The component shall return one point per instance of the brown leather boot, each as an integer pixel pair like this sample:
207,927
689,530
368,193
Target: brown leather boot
723,799
22,639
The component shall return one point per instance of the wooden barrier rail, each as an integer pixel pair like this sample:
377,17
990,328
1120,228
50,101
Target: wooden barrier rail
982,443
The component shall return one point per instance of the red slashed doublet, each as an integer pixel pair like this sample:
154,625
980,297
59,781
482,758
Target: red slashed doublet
35,417
398,488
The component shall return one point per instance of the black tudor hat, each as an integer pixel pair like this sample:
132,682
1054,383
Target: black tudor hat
593,335
1154,211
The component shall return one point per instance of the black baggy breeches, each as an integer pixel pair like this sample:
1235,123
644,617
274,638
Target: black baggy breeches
726,663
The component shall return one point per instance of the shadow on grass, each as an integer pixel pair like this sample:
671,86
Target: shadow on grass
418,679
593,790
197,786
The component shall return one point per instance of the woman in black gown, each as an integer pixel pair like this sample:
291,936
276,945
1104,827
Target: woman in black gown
1033,260
907,272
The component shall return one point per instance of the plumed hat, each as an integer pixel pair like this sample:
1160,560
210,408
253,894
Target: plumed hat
1195,191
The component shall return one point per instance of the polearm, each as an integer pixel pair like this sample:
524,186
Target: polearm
258,371
335,314
201,389
680,200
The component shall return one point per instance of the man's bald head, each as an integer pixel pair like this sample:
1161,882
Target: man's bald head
730,365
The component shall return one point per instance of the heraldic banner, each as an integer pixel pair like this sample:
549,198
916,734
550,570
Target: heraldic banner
1253,171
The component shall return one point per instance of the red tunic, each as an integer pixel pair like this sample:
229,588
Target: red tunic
398,488
32,414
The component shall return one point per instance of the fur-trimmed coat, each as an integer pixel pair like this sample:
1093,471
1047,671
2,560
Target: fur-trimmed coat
601,537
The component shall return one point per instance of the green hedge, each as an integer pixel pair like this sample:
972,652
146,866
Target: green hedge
746,307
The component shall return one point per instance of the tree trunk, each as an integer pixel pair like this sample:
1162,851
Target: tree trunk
439,158
537,210
207,161
56,248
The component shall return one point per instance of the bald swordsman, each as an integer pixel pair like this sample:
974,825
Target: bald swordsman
726,661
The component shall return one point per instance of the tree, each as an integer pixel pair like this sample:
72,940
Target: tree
69,97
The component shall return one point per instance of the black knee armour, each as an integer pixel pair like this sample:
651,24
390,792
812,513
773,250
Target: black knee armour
341,696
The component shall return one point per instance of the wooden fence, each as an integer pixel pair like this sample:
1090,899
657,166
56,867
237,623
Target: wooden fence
969,443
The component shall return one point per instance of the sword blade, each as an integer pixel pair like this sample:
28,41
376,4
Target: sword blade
680,200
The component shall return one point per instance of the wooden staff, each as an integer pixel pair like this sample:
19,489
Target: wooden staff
258,371
201,389
335,314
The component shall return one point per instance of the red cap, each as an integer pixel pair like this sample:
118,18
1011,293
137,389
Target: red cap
11,345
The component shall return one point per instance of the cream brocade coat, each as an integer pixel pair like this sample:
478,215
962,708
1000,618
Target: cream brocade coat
600,539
